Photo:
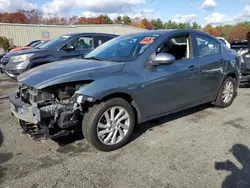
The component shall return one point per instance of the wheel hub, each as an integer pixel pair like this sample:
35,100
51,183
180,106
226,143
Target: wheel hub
113,125
228,91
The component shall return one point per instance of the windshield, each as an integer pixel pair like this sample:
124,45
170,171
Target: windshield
124,48
55,42
36,44
32,42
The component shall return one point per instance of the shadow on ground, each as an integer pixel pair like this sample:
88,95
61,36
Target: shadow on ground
149,126
4,157
239,177
140,128
71,138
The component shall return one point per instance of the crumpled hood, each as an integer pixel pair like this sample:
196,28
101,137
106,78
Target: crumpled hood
67,71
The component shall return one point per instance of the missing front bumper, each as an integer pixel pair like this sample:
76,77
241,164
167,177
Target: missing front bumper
24,111
52,120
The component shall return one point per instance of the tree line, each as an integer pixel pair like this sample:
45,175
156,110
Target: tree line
230,32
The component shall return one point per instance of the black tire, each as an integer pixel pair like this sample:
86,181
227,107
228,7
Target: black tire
92,116
219,101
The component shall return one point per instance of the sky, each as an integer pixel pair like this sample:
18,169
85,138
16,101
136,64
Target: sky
215,12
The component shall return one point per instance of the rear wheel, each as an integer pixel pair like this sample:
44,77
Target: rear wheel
109,125
227,93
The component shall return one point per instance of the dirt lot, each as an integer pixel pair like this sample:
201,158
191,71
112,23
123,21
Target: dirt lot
201,147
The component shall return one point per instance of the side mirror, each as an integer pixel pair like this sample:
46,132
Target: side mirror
69,48
164,59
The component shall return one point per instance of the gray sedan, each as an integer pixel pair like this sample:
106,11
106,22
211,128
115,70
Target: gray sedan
127,80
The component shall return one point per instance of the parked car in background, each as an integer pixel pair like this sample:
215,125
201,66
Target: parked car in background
239,45
33,44
63,47
224,41
1,56
30,46
245,62
130,79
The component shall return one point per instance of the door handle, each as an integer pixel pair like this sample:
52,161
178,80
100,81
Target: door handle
192,68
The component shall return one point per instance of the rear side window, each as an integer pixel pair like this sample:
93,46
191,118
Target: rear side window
207,46
99,40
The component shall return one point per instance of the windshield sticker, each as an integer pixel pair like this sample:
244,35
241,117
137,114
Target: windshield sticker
147,40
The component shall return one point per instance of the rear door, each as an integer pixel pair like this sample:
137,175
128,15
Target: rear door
212,64
81,44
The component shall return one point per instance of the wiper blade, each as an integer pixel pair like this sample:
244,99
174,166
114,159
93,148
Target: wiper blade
94,58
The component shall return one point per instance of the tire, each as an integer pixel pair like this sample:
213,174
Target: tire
95,116
220,101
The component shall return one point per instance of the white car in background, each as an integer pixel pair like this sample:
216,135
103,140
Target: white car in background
224,41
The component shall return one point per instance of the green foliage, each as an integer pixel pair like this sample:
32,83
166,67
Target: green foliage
158,24
126,20
196,26
119,19
184,26
107,19
123,20
4,43
171,25
174,25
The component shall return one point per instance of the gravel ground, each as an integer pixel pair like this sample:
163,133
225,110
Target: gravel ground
200,147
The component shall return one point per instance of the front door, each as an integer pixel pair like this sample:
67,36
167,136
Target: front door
171,87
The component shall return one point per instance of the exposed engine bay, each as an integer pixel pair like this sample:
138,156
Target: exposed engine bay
50,112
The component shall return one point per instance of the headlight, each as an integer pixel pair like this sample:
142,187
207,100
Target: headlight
20,58
81,99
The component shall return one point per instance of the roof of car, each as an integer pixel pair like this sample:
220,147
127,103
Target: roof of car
105,34
171,31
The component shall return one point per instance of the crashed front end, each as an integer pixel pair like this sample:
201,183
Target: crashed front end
51,112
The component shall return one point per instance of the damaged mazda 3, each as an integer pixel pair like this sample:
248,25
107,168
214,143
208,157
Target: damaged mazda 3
127,80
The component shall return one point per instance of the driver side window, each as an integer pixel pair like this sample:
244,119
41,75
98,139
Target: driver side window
81,43
177,46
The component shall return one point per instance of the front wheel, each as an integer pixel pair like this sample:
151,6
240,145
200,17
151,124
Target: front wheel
109,125
227,93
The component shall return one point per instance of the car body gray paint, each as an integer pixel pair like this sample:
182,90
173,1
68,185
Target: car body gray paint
156,90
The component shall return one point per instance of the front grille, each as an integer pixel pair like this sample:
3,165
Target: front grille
5,60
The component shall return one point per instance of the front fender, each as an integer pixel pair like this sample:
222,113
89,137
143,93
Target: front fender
117,83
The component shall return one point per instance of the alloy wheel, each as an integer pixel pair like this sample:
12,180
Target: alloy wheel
113,125
228,92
